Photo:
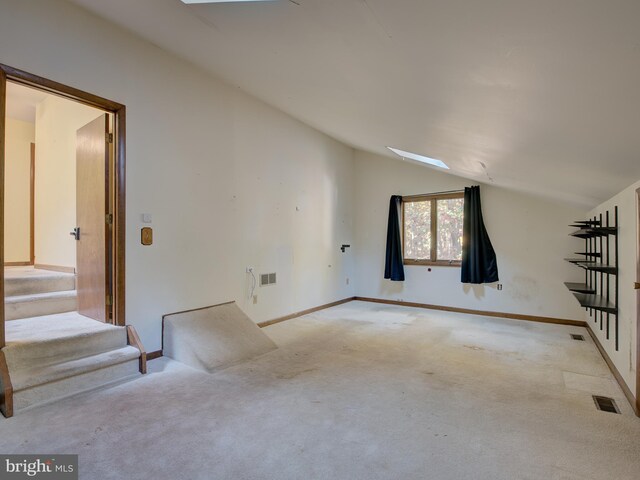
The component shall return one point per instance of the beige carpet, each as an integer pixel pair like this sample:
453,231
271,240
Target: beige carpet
359,391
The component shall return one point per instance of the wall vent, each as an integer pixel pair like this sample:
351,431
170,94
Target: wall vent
606,404
267,279
575,336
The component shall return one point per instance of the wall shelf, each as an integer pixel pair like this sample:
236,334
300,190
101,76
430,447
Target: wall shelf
580,260
593,232
598,294
595,301
580,287
598,267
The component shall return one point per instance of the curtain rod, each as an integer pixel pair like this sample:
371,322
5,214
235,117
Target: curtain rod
435,193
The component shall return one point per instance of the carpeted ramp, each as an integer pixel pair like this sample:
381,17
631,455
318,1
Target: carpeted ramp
214,337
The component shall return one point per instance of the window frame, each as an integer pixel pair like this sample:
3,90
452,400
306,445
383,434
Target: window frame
433,198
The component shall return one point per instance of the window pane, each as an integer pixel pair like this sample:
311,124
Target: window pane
450,229
417,230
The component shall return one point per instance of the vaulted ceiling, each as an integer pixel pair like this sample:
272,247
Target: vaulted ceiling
541,96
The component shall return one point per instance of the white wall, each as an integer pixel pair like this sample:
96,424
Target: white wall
230,182
57,121
625,358
529,234
17,208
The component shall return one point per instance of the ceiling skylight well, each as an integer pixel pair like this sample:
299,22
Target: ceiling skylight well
188,2
419,158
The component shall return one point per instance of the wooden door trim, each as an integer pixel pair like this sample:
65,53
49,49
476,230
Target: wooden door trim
32,206
3,109
119,217
638,302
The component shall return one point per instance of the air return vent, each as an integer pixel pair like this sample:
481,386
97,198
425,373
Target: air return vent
606,404
267,279
575,336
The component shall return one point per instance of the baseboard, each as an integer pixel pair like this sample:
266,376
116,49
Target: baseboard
623,385
512,316
55,268
17,264
304,312
154,355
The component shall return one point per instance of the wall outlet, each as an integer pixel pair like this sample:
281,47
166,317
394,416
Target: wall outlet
499,286
255,299
249,270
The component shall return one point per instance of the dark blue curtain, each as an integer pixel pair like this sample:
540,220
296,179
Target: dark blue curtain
393,268
479,264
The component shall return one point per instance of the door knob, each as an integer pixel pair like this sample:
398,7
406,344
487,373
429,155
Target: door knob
75,233
636,285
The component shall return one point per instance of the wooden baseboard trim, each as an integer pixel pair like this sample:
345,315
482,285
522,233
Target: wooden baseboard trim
623,385
6,389
154,355
512,316
17,264
304,312
134,340
55,268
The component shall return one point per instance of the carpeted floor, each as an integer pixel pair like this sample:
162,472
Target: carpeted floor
359,391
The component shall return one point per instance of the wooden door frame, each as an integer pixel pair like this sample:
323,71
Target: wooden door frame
119,181
32,206
638,302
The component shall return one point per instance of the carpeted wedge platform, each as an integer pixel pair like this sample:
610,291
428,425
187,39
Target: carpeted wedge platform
213,338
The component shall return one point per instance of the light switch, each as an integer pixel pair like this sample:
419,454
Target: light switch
146,236
146,218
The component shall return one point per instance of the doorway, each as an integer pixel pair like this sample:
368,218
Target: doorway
97,231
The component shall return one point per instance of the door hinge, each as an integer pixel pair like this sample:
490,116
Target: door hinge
109,300
108,218
109,137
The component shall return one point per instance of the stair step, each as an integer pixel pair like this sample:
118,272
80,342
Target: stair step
35,386
34,283
24,378
25,306
57,338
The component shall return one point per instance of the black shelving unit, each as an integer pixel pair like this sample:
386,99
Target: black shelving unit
598,294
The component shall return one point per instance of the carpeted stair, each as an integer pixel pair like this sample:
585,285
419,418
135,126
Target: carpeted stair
54,356
51,350
31,293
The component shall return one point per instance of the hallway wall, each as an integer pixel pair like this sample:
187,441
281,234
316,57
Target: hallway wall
17,207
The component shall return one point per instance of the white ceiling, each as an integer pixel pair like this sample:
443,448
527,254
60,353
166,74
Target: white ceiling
540,96
22,101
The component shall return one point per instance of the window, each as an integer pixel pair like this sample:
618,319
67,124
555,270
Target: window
432,229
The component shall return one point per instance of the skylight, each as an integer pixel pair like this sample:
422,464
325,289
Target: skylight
188,2
419,158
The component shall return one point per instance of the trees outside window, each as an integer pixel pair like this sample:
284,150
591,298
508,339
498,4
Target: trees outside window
432,229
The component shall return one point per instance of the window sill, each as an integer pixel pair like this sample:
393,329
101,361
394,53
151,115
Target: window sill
429,263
